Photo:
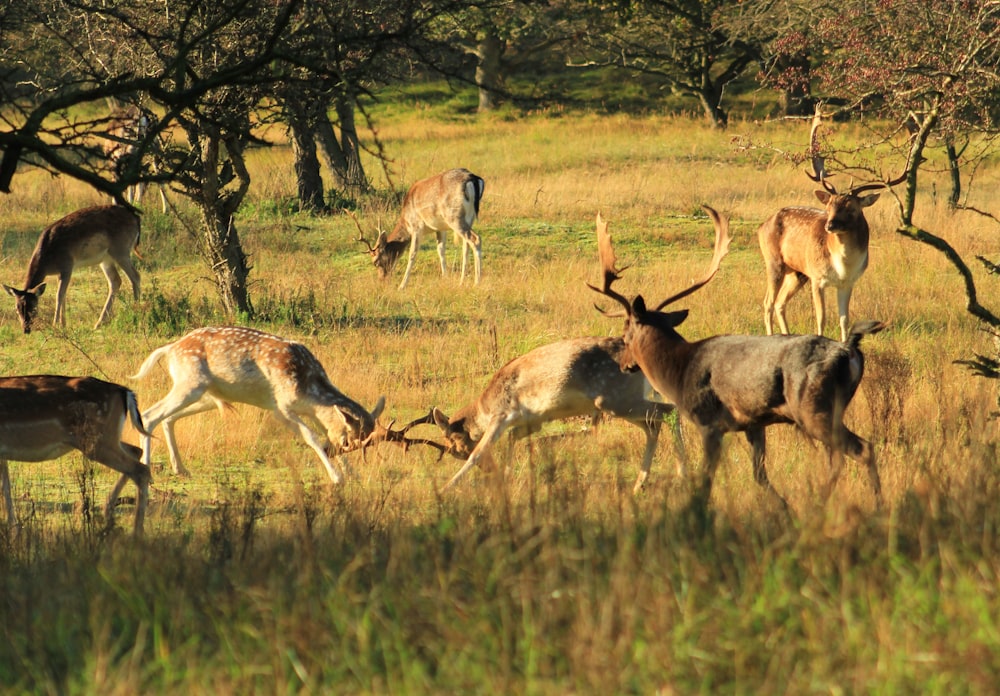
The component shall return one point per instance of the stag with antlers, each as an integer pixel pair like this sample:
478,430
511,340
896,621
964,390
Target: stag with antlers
743,384
826,247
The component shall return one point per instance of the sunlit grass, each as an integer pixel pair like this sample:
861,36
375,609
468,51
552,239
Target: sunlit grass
257,575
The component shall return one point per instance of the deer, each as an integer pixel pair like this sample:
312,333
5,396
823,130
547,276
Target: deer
446,201
127,138
43,417
102,235
573,377
212,367
733,383
826,247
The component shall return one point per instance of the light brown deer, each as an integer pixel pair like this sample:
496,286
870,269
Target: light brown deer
744,384
103,235
574,377
825,247
43,417
447,201
214,366
127,138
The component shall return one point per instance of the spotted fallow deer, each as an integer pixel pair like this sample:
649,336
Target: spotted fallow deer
447,201
215,366
104,235
744,384
43,417
574,377
825,247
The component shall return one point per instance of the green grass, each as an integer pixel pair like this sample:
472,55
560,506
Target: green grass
256,575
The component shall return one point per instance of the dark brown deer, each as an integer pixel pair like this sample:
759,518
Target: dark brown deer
43,417
446,201
825,247
744,383
215,366
104,235
575,377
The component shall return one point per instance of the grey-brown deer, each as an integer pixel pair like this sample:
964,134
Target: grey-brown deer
215,366
574,377
445,202
43,417
103,235
825,247
744,384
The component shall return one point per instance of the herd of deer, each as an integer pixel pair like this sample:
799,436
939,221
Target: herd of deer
720,384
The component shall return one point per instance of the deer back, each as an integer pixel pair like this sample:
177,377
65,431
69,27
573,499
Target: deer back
82,238
558,380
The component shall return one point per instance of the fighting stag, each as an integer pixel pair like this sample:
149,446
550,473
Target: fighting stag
825,247
103,235
574,377
215,366
446,201
43,417
743,384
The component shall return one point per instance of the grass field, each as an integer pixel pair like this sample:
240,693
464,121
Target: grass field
256,575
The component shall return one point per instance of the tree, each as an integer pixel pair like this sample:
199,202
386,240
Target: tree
681,43
202,65
929,72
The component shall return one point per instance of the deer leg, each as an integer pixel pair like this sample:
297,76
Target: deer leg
313,440
128,464
441,240
114,282
712,446
861,450
758,443
171,407
476,242
7,499
125,263
790,285
818,306
843,301
414,241
774,278
492,434
60,317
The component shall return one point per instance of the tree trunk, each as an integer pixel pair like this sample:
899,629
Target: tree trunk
955,174
350,146
329,146
307,173
711,104
489,75
220,243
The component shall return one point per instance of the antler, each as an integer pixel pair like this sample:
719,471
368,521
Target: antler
722,241
819,174
819,166
387,434
361,232
606,253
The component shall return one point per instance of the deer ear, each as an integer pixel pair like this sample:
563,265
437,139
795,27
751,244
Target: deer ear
379,406
823,196
869,200
37,290
638,305
441,419
676,318
11,291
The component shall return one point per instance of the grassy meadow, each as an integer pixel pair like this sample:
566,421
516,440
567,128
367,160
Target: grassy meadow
257,575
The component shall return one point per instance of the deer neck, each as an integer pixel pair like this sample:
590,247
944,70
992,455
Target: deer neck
663,356
848,252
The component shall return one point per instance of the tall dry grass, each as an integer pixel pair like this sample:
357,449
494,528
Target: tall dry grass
551,577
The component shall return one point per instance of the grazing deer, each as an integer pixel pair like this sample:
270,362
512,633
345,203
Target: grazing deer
212,367
447,201
575,377
103,235
126,139
744,383
825,247
43,417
